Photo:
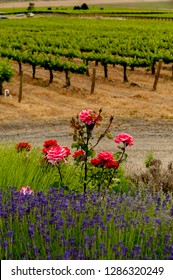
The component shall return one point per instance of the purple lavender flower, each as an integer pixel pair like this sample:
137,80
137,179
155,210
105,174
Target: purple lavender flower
136,252
31,230
6,245
36,251
86,241
171,212
167,237
67,255
158,221
102,248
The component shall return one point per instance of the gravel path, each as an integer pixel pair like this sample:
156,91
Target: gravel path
148,135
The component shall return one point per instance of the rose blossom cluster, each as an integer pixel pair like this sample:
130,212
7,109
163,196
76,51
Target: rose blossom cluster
23,146
89,117
105,159
55,153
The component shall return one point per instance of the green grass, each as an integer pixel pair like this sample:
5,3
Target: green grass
30,169
143,5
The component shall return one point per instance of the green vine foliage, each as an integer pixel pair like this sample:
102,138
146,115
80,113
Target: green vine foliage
6,72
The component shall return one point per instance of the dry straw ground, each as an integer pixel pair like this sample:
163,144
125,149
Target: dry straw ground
133,99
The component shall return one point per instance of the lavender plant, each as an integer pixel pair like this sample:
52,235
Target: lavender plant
91,225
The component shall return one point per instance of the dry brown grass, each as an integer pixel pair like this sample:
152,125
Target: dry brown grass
134,99
156,177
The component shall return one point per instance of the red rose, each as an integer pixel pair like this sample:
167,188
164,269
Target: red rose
95,162
48,145
112,164
79,156
23,146
105,159
68,152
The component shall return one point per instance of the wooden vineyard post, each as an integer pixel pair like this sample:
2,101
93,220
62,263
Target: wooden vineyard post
125,73
157,75
20,86
93,80
67,76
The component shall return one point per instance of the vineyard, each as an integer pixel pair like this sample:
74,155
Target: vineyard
86,123
69,44
58,55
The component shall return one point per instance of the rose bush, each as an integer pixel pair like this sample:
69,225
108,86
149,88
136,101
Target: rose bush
94,169
106,162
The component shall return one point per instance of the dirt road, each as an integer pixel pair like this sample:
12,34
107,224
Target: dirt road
71,3
156,136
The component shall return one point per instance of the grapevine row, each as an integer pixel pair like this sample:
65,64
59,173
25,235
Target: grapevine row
57,45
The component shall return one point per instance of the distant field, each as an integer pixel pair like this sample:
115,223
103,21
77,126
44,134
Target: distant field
123,9
147,4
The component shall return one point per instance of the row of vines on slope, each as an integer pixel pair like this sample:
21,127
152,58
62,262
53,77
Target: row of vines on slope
69,44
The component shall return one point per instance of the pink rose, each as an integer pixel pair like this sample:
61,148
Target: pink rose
26,190
88,117
57,154
125,138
